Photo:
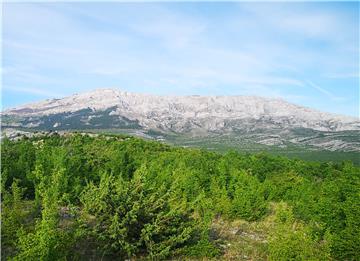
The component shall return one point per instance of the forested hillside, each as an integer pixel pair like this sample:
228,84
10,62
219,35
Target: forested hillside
76,197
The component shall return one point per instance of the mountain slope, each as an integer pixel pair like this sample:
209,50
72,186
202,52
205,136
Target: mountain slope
255,120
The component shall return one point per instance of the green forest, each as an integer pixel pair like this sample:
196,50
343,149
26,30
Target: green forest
117,197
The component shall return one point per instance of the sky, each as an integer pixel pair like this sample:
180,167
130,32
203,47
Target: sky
306,53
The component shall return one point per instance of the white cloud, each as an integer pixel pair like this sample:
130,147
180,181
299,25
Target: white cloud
326,92
173,34
264,49
300,19
342,75
31,90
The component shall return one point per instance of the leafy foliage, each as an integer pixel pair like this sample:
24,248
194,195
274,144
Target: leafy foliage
293,240
122,197
131,219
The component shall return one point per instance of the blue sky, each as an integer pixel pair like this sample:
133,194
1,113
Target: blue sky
306,53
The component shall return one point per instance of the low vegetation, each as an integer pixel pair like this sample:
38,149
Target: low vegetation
77,197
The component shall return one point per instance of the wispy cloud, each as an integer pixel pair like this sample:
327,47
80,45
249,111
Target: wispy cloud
184,48
173,30
43,49
342,75
36,91
327,93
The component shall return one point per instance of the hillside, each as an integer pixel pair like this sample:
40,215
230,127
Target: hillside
106,197
247,121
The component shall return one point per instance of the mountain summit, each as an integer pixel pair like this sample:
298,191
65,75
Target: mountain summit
262,120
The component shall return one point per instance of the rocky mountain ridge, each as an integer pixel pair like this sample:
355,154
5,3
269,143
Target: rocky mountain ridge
271,121
211,112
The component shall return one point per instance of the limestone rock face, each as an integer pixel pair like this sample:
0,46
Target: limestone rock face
266,121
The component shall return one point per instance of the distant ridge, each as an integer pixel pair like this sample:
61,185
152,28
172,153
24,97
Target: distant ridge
195,116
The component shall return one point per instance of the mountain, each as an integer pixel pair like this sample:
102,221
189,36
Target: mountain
245,121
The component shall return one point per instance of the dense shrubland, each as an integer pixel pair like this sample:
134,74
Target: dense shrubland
117,197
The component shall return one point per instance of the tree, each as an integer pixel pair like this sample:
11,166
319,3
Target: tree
46,242
248,200
291,239
12,217
133,220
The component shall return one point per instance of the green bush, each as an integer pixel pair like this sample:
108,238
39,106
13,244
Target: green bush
132,220
139,199
248,200
293,240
